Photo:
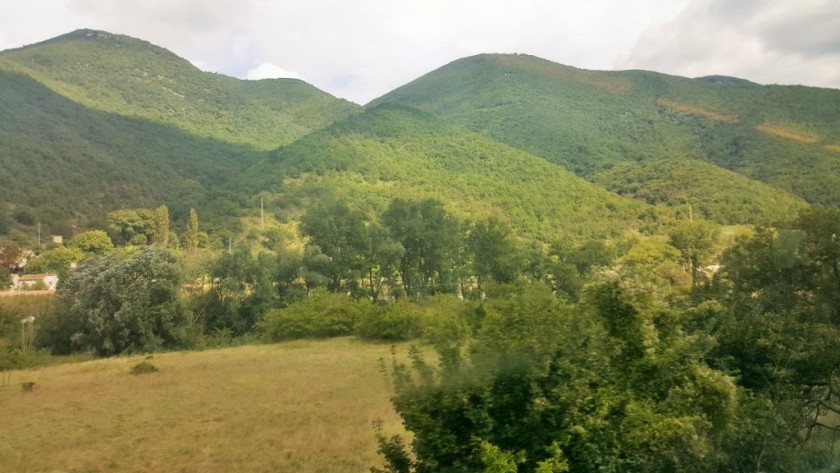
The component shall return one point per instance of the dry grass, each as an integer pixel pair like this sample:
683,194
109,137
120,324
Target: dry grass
696,110
299,406
788,133
833,148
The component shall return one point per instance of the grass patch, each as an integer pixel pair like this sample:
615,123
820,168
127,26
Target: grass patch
303,406
697,111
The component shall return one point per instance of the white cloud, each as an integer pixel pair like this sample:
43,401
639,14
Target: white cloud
268,70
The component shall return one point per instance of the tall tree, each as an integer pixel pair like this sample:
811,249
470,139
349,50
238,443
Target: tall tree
162,226
191,237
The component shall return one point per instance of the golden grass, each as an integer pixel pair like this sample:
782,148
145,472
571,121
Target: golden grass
297,407
788,133
833,148
696,110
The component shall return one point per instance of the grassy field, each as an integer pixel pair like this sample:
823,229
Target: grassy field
305,406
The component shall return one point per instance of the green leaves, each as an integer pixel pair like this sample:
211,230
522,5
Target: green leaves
124,303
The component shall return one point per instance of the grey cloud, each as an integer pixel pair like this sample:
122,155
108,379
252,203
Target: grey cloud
765,41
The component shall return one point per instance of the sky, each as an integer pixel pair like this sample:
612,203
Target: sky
361,49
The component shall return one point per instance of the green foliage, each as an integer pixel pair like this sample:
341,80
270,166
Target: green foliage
431,240
122,303
320,315
93,242
715,194
56,260
618,383
402,320
191,236
494,253
391,152
241,291
695,240
144,367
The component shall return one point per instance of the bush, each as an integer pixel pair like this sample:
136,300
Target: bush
401,320
321,315
144,367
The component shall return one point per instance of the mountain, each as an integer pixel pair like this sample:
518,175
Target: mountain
395,151
91,122
588,121
131,77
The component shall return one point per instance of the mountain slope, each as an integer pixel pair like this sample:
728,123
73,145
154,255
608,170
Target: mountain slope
395,151
713,193
131,77
588,120
66,165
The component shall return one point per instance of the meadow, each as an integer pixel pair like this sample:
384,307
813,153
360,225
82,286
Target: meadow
303,406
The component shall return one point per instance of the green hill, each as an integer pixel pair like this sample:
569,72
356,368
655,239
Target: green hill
131,77
396,151
65,165
788,137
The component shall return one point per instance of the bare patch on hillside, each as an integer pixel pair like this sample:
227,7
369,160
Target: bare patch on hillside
698,111
788,133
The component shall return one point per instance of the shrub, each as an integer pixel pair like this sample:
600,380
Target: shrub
401,320
144,367
321,315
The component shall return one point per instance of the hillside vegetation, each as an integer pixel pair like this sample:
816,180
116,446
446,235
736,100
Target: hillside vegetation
131,77
589,120
394,151
68,165
713,193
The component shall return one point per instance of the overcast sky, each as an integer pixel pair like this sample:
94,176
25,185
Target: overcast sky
361,49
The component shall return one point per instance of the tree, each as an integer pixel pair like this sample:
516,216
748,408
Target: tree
695,241
123,303
93,242
339,233
778,329
162,226
132,226
56,260
191,237
431,240
241,292
493,251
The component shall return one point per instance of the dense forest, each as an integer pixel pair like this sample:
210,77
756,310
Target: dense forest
597,271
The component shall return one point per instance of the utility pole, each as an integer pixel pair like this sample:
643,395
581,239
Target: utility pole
39,234
262,214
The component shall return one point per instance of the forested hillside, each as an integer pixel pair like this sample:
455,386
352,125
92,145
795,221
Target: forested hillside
588,121
128,76
395,151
